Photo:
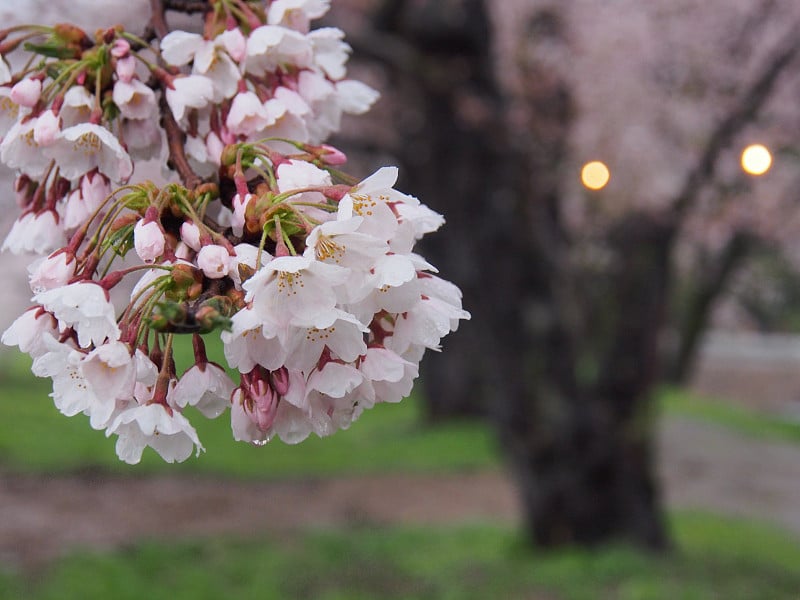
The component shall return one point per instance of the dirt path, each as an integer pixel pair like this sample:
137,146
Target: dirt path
43,517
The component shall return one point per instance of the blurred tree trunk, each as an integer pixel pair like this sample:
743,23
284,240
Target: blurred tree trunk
563,352
448,159
581,453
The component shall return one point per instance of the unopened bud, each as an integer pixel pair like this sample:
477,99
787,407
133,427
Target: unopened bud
72,35
126,68
166,315
280,381
207,317
27,92
120,48
331,156
210,188
194,291
228,156
184,276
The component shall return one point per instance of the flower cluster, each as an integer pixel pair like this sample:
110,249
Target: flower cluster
308,275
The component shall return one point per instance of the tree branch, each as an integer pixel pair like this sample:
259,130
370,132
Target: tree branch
741,115
157,19
175,136
175,143
187,6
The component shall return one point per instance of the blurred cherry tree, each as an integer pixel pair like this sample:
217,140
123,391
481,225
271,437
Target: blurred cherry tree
583,299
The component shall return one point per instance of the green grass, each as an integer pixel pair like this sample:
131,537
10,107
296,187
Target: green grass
719,558
736,418
35,437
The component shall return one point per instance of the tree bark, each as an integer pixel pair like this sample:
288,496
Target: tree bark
448,160
590,479
580,451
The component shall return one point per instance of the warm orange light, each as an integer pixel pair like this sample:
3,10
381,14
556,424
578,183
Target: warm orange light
756,159
595,175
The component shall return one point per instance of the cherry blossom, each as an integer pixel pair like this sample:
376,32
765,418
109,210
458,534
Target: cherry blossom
85,307
85,147
310,283
296,14
30,330
46,129
166,431
191,91
134,99
52,272
206,387
295,290
38,233
20,150
215,261
269,46
27,92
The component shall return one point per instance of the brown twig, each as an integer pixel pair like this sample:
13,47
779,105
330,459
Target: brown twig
157,19
175,143
187,6
175,136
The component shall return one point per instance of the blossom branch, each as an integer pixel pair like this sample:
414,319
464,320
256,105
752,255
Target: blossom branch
289,234
175,143
187,6
175,137
157,18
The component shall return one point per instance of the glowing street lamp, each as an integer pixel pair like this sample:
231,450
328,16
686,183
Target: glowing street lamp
595,175
756,159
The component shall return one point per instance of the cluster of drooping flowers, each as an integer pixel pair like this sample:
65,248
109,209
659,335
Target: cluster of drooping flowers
307,274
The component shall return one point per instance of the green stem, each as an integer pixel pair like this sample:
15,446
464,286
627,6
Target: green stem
261,244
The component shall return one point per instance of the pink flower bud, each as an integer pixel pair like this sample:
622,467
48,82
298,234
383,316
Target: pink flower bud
95,188
54,271
227,136
280,381
148,239
214,261
239,208
190,235
126,68
214,147
265,404
332,156
75,210
46,129
27,92
120,49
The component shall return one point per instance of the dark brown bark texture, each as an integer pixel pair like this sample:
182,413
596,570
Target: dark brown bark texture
562,354
581,453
